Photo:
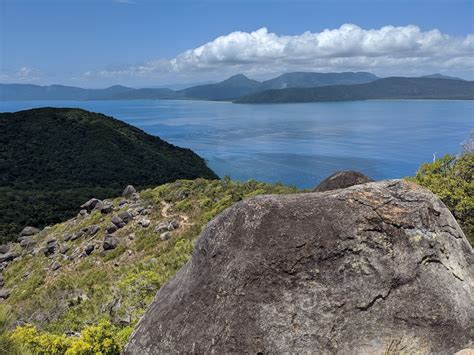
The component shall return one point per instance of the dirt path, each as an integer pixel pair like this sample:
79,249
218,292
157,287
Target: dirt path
184,219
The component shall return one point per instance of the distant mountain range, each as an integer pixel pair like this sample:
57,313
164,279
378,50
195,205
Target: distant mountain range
239,88
26,92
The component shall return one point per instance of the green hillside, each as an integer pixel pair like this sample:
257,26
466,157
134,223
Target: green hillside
52,160
61,287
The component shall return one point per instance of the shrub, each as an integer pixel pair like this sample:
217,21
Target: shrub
103,338
451,179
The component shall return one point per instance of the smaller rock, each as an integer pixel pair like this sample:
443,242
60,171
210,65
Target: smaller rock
129,191
4,248
77,235
64,249
125,216
83,213
144,223
118,221
183,194
110,242
139,209
25,243
51,241
2,281
341,180
123,203
4,294
93,229
49,249
174,224
106,207
145,212
91,204
122,321
7,257
89,249
165,236
29,231
111,228
161,227
67,237
135,196
55,266
133,212
71,333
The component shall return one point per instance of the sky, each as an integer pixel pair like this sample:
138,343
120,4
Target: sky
145,43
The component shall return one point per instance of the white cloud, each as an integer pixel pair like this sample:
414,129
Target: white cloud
23,74
390,50
348,47
125,1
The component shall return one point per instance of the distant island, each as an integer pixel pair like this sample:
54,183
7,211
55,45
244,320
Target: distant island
381,89
289,87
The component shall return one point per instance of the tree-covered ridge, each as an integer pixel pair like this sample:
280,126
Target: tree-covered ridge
54,159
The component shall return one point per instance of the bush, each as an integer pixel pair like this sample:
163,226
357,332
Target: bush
451,179
103,338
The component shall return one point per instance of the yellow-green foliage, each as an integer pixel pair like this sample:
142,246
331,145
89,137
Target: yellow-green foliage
103,338
452,180
80,295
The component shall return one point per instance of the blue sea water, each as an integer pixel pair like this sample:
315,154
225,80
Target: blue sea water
297,144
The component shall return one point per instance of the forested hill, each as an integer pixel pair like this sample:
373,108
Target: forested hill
52,160
388,88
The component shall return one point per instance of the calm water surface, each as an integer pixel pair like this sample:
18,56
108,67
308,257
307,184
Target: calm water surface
297,144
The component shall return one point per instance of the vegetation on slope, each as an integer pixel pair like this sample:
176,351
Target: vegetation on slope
452,179
111,289
52,160
388,88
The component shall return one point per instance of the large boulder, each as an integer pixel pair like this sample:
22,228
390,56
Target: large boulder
128,191
91,204
341,180
29,231
371,269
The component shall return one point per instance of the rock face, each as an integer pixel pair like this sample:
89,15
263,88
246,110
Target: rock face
341,180
371,269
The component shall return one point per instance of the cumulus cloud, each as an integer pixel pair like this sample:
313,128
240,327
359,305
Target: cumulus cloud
390,50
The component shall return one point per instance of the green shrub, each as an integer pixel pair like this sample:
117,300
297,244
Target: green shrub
103,338
451,179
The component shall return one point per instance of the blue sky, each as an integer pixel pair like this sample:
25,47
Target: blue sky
152,43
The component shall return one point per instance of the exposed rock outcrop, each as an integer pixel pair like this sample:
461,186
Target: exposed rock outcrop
375,268
341,180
